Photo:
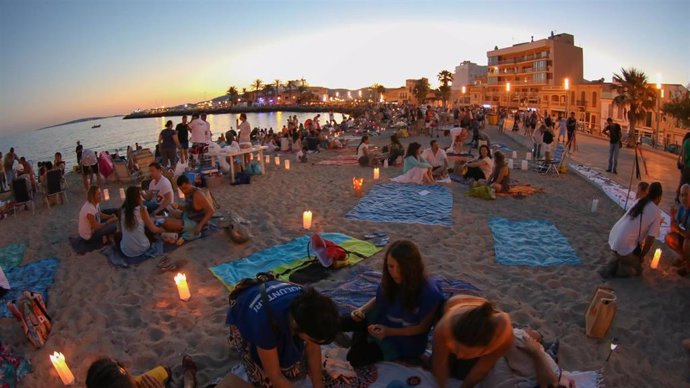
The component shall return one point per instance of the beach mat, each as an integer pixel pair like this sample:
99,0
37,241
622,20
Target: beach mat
405,204
360,286
533,243
12,255
36,276
278,258
340,160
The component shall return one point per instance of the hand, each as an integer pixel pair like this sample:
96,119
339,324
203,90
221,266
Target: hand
197,231
378,331
530,345
149,382
357,315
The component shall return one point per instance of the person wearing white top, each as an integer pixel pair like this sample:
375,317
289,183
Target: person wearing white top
207,129
134,220
437,158
198,129
632,237
160,194
95,226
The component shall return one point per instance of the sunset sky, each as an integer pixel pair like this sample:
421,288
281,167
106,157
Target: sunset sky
62,60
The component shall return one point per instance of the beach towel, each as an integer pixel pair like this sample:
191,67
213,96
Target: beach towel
533,243
13,367
405,204
282,258
12,255
360,286
36,276
80,246
521,190
340,160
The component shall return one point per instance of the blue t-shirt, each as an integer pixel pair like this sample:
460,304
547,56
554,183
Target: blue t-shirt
683,218
251,318
394,315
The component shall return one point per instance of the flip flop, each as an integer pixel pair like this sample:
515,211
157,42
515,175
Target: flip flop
189,373
381,242
377,234
165,265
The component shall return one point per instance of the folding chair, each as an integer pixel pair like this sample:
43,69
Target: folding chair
21,191
546,167
53,187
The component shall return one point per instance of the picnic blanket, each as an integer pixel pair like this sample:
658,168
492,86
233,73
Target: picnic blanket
12,255
36,276
285,259
340,160
13,367
521,190
360,286
618,193
405,204
533,243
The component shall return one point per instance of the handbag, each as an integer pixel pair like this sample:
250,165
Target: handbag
601,312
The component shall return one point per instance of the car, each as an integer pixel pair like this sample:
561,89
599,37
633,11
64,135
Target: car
673,148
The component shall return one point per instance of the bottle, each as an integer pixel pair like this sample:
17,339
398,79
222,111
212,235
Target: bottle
159,373
170,237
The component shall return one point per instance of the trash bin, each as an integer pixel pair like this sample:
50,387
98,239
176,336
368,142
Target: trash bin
493,119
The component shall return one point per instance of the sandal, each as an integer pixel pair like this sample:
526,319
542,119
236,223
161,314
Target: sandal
189,374
165,265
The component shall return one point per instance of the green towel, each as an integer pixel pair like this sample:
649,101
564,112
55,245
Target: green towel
12,255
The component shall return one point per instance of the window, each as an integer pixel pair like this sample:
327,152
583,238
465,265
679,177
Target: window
539,77
582,98
648,120
539,65
554,98
594,99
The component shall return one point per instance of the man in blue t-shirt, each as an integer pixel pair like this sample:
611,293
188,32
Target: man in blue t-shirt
274,341
678,238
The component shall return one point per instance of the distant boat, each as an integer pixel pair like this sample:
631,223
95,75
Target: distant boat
96,126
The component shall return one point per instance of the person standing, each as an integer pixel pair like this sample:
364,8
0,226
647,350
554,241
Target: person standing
571,126
198,129
207,129
8,164
89,167
79,150
183,137
245,138
2,175
169,143
613,131
684,164
562,129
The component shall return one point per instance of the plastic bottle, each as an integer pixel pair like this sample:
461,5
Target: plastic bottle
159,373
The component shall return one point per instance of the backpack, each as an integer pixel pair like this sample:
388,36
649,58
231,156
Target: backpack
242,178
548,137
30,311
547,121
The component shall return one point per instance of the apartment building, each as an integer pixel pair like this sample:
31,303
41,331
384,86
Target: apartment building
467,73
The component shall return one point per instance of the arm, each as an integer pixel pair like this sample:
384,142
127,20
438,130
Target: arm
421,328
439,359
271,367
177,141
149,224
313,352
200,199
359,314
167,200
647,245
546,377
485,364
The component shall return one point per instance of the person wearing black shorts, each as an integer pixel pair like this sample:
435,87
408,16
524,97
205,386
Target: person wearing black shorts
183,137
89,167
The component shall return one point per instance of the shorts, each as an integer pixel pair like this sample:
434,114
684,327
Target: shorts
188,225
88,170
184,144
363,161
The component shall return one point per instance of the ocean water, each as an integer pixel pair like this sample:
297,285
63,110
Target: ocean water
115,134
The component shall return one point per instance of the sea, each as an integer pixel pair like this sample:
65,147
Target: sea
115,134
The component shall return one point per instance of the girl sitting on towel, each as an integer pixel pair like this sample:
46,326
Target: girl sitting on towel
415,168
481,168
395,324
469,339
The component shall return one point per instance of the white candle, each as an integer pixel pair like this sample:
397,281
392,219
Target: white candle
528,156
306,219
510,164
106,195
277,160
385,163
182,287
655,260
58,360
287,164
514,154
595,205
122,193
523,165
376,173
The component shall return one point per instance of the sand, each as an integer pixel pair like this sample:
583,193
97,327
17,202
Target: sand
134,315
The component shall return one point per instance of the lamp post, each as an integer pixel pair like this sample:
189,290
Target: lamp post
566,86
658,102
464,90
508,93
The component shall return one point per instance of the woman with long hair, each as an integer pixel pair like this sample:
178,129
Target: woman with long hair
365,157
632,237
134,221
395,324
469,339
395,150
500,177
481,167
415,168
95,226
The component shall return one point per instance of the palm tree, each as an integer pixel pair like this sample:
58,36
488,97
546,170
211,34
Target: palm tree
257,84
445,77
636,95
378,89
232,93
421,89
277,86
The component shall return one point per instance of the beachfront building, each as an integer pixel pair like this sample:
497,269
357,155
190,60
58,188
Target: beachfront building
402,95
466,74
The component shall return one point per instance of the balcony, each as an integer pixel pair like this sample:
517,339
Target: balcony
581,102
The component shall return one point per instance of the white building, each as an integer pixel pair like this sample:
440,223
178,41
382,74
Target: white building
466,73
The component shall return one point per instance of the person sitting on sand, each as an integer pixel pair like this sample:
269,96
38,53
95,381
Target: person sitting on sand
109,373
499,180
632,237
415,168
276,327
365,157
94,225
134,221
395,324
395,151
481,168
642,190
194,214
159,196
678,238
437,158
469,339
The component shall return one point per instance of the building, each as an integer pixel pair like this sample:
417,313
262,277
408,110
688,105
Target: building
402,95
466,74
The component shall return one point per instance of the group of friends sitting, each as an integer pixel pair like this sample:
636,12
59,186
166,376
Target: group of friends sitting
278,329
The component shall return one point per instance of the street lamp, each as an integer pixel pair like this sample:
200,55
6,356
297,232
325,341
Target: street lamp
566,85
658,103
508,93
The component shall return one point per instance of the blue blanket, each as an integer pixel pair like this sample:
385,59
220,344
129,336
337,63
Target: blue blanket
118,259
533,243
402,203
264,261
360,286
36,277
12,255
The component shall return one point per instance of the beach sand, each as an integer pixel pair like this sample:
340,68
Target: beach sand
135,316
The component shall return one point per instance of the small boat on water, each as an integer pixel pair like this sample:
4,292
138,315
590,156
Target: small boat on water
96,126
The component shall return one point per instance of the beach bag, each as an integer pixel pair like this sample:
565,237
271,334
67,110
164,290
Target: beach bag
601,312
327,252
254,168
483,192
31,313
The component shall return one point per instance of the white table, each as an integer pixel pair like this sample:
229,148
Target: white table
243,151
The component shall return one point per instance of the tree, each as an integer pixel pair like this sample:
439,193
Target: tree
679,108
445,77
257,84
233,94
378,89
277,86
421,89
635,94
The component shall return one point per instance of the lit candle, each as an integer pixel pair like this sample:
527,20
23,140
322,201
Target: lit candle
268,159
122,193
62,369
357,186
182,287
306,219
287,164
376,173
514,154
106,195
528,155
510,164
180,193
277,160
523,165
655,259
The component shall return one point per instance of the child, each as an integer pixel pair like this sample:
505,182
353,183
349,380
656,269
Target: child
302,155
642,190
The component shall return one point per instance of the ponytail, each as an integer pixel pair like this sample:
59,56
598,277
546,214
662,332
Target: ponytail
475,327
654,194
